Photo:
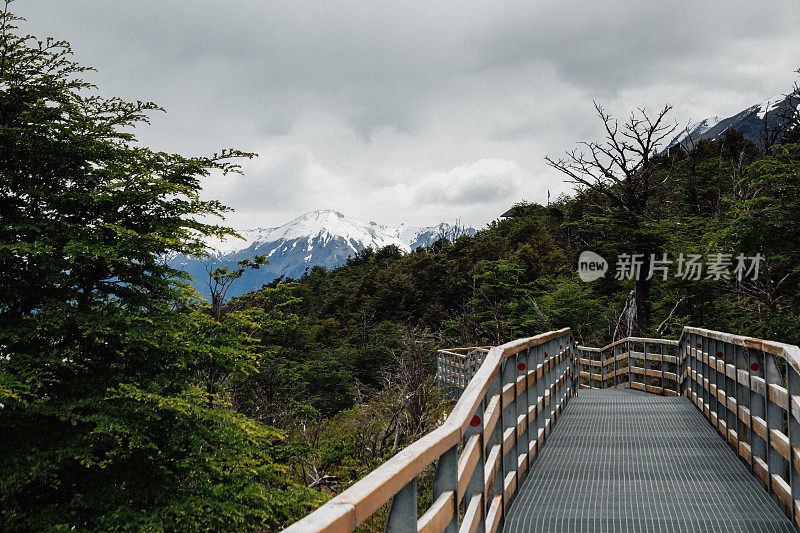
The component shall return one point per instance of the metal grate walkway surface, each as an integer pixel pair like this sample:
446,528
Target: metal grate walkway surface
621,460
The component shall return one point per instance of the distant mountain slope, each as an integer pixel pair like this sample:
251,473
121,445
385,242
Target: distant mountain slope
324,238
750,122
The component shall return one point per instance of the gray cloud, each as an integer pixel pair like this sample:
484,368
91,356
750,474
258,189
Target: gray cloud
401,111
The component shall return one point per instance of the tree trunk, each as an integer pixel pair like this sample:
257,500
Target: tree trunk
641,325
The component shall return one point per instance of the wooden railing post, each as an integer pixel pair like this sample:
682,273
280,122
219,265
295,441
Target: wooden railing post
574,372
709,353
403,510
707,378
758,407
540,396
691,365
742,398
549,365
731,390
646,365
629,349
722,407
523,436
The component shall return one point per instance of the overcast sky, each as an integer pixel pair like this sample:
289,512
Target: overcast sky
414,112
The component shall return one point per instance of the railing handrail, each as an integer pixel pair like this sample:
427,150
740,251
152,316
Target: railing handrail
352,507
455,351
630,339
790,352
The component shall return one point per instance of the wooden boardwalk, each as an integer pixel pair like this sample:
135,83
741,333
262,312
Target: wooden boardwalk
622,460
641,435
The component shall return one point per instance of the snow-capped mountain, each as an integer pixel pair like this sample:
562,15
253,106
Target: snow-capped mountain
325,238
750,122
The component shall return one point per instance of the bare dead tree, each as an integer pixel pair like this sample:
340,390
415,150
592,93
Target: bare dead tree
663,326
789,115
622,168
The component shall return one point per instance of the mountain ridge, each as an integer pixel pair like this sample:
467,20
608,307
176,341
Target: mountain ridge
317,238
749,121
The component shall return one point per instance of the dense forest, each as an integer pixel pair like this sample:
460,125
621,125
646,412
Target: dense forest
128,403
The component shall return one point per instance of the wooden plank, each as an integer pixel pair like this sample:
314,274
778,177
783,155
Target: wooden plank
796,407
653,389
744,451
509,440
653,373
491,467
466,463
760,469
796,507
522,424
780,442
473,515
782,490
508,394
440,514
759,426
732,437
510,485
494,514
490,416
777,394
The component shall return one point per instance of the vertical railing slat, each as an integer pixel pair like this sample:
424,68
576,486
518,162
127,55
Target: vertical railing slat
403,510
446,479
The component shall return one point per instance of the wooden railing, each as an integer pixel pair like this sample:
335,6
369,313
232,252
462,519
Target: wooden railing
650,365
456,366
749,390
481,452
509,397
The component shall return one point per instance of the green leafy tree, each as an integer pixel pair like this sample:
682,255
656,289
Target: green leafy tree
106,422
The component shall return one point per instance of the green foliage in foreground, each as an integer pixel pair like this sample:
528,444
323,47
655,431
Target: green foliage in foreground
109,414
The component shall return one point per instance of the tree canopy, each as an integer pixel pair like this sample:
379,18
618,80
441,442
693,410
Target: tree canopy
107,419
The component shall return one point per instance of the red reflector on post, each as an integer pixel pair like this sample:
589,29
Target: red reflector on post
475,422
521,366
754,367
